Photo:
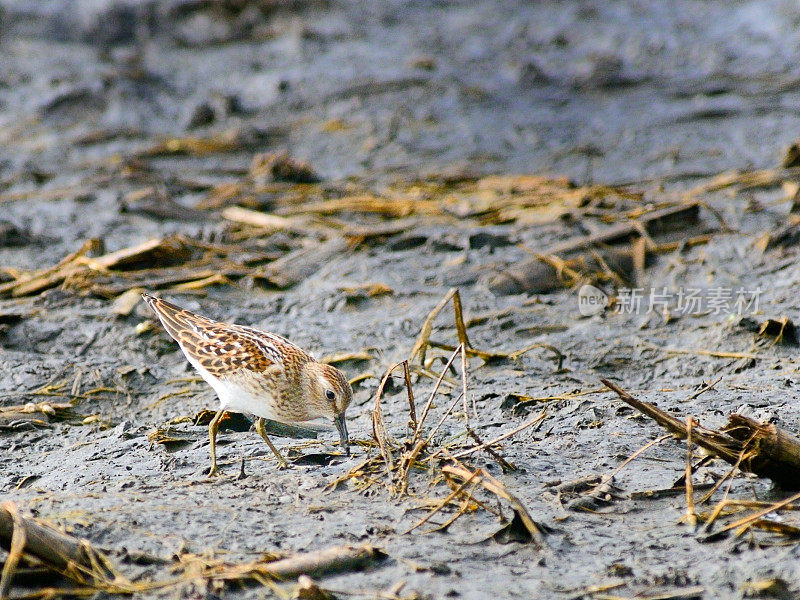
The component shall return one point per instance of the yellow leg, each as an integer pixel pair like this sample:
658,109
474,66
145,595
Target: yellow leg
213,427
263,433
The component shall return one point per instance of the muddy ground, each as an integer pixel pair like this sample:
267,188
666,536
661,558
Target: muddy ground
658,98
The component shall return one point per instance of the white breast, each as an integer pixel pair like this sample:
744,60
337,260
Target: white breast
236,398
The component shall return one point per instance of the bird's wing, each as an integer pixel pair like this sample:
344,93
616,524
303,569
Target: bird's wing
219,348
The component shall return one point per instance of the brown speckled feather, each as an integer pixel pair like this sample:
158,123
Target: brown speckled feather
221,348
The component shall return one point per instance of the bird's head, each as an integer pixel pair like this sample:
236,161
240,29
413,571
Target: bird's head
329,395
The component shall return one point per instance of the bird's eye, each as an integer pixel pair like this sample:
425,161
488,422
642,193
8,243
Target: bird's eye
330,395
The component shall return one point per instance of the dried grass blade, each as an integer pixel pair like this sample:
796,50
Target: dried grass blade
537,419
498,489
461,328
465,504
428,404
445,501
381,437
18,539
412,408
464,385
743,523
410,458
421,345
313,564
691,515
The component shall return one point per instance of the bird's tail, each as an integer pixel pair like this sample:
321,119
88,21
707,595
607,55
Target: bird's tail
174,318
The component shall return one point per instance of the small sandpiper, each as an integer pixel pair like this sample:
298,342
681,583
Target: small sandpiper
256,372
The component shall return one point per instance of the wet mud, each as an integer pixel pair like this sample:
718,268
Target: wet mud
127,122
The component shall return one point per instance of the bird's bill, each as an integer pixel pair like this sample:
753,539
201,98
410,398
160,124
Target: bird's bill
341,426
